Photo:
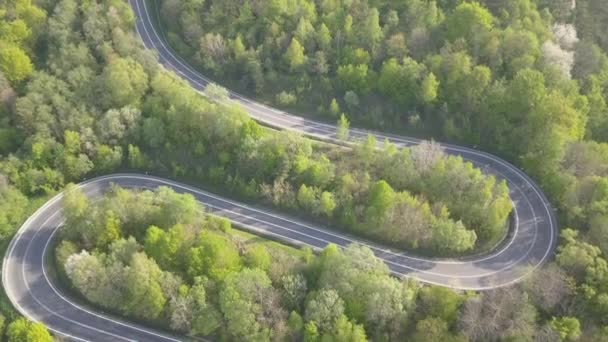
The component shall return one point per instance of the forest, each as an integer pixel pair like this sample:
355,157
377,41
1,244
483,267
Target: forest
525,79
158,258
99,106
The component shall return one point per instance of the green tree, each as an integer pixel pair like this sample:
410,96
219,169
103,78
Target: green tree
434,329
575,256
75,163
242,301
599,232
144,296
214,257
334,108
295,55
75,203
324,308
12,208
307,198
568,328
123,249
107,159
396,46
125,82
14,63
136,159
370,33
467,19
344,331
166,247
88,274
439,302
154,132
366,150
304,32
295,323
112,231
323,37
176,208
452,236
118,124
404,82
17,330
327,204
380,200
351,99
355,78
294,288
343,127
311,333
257,257
216,93
428,88
371,297
21,330
238,48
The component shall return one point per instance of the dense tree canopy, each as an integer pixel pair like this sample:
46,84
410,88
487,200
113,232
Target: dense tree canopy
235,289
162,281
22,330
20,25
99,104
494,74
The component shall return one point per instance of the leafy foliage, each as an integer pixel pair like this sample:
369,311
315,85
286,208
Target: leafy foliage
189,276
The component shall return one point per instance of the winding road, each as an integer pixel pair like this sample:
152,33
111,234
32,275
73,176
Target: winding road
34,293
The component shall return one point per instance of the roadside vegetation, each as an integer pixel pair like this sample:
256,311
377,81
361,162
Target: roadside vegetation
14,210
525,79
100,103
156,257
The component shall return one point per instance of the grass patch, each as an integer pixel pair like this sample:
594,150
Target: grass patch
252,240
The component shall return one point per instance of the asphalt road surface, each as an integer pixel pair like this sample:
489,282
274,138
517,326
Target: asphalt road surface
34,293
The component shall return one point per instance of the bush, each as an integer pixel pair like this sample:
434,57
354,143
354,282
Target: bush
286,99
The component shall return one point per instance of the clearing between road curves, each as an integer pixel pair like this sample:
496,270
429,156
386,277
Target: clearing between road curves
34,292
